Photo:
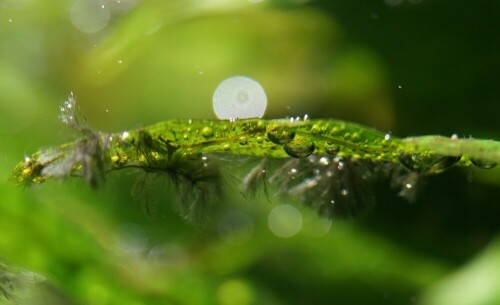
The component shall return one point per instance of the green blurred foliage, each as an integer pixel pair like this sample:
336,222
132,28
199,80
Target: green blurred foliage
410,67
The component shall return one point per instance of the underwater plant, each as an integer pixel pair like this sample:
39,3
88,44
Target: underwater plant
327,164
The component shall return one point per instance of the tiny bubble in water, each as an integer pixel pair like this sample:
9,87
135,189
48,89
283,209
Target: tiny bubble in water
324,161
340,165
125,135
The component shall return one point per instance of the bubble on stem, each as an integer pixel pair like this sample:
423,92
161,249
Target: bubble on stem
239,97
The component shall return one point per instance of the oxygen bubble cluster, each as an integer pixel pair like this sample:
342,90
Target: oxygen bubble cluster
239,97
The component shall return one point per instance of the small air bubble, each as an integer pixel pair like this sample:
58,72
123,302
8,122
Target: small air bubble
387,136
243,140
331,150
10,20
120,61
324,161
408,185
400,87
340,165
207,132
454,136
427,163
125,135
344,192
483,164
280,136
300,149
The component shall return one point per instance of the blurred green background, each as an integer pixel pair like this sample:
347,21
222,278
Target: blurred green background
411,67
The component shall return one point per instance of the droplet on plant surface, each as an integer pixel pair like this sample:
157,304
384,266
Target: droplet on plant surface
239,97
427,163
299,148
243,140
483,164
280,136
331,150
207,132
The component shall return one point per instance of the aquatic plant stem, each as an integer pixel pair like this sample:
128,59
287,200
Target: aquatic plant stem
153,147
